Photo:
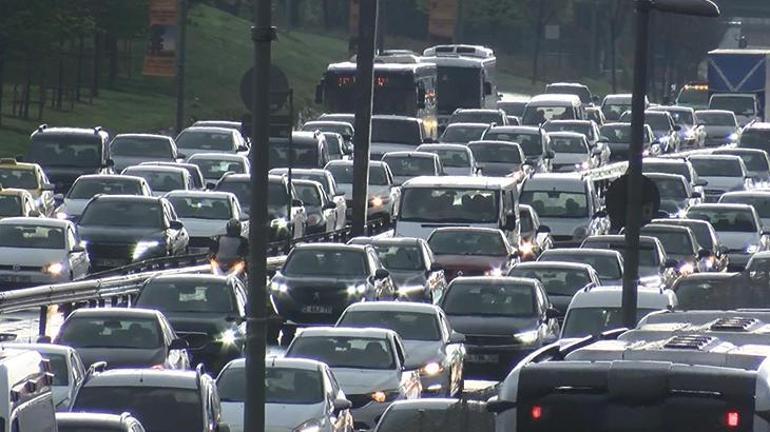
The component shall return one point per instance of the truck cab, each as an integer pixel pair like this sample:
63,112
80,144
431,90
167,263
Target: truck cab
27,402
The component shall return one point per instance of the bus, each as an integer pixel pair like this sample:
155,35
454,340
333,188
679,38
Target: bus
466,78
405,88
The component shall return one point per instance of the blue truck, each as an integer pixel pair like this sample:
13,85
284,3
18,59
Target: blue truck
738,80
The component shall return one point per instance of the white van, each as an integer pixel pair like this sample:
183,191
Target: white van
543,108
428,203
25,382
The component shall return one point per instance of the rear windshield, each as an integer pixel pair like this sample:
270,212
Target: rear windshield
496,153
410,166
741,291
31,237
65,150
18,178
726,219
556,281
717,167
326,263
112,332
141,147
410,326
283,385
467,298
531,143
204,140
462,134
345,352
87,188
606,266
10,205
581,322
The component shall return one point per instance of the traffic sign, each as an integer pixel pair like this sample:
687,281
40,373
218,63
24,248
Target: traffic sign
617,201
279,88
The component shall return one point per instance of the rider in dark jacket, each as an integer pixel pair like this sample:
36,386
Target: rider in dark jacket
230,247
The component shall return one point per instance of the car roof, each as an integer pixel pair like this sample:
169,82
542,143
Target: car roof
738,151
683,221
364,332
35,221
616,238
662,226
110,177
118,198
347,162
410,154
719,206
666,176
468,229
516,129
397,241
493,142
478,110
555,97
280,361
156,168
208,129
316,171
394,306
749,193
186,379
713,111
495,280
199,194
758,125
14,192
432,404
330,246
467,125
443,146
611,296
457,181
561,265
199,277
566,134
670,108
568,122
143,135
327,123
13,163
583,251
91,419
723,157
121,312
43,348
215,156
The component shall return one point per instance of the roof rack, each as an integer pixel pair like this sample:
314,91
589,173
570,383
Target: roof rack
691,342
734,324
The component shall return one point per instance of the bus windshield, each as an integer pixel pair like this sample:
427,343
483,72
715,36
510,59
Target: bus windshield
450,205
458,87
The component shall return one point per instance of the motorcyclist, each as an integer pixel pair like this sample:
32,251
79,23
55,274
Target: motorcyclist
231,247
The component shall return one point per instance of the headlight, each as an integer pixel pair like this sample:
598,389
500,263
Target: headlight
686,269
54,268
61,215
432,368
752,248
526,248
143,246
227,338
279,223
279,287
383,396
732,137
356,289
496,272
527,338
582,166
312,425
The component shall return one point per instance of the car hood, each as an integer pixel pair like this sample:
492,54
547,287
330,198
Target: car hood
469,262
204,227
563,226
719,131
380,148
211,323
737,240
30,256
73,207
365,381
109,234
722,183
289,416
498,169
491,325
569,158
122,162
420,352
408,278
458,171
121,358
337,282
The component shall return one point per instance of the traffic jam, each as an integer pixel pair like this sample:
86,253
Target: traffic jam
498,262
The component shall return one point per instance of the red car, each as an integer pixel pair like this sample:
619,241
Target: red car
470,251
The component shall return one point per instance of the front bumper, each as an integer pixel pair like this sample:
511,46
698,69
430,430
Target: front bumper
300,306
29,276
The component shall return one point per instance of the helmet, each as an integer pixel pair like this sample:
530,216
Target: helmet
233,227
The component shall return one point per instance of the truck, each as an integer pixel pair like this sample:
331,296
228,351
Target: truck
738,80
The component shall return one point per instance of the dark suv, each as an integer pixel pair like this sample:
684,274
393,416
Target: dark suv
120,229
66,153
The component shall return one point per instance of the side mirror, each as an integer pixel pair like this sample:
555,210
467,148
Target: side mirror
176,225
179,344
77,249
542,229
600,214
329,206
671,263
243,148
297,202
765,233
341,404
677,128
244,217
456,338
596,151
47,187
319,94
487,88
552,313
696,195
704,253
381,274
550,154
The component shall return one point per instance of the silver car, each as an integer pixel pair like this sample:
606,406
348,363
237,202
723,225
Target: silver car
86,186
205,215
300,395
369,364
456,159
722,173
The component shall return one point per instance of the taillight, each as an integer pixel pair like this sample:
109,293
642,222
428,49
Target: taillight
732,419
536,412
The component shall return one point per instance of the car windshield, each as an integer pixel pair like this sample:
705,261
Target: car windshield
571,145
283,385
657,121
612,111
583,93
740,105
111,332
674,243
717,119
755,138
396,131
670,188
703,235
451,242
512,108
476,117
10,205
408,325
215,169
326,262
684,118
308,194
343,174
755,162
123,213
334,145
453,158
449,205
320,178
503,299
18,178
530,143
616,133
407,166
187,296
65,150
760,203
345,352
460,416
341,129
201,207
581,322
738,292
205,140
496,153
303,155
148,148
159,181
556,204
681,169
607,266
400,257
84,189
150,405
31,237
536,115
458,87
462,134
717,167
556,281
725,219
648,255
581,128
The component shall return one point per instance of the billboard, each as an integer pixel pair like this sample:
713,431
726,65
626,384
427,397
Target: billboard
160,55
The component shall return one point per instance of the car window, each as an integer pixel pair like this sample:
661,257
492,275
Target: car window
187,296
31,237
326,263
345,352
18,178
465,298
111,332
408,325
125,213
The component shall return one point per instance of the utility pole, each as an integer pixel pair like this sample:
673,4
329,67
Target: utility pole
364,94
181,58
262,34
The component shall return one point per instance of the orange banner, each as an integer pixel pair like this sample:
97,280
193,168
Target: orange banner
160,57
442,17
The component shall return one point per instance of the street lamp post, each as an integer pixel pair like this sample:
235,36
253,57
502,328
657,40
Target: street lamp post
704,8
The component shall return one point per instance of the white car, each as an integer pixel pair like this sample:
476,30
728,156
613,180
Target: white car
87,186
368,363
383,193
205,215
759,199
300,395
68,370
722,173
456,159
36,251
214,165
329,186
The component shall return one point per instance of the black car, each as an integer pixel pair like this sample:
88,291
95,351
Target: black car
679,243
120,229
195,172
561,280
206,310
318,281
411,266
124,338
503,319
66,153
534,142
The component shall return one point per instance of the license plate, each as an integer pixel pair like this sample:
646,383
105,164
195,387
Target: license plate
482,358
111,262
317,309
15,278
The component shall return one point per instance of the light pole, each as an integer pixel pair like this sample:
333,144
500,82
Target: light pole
704,8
